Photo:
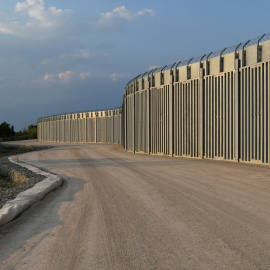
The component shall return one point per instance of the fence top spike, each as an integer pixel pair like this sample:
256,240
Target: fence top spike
190,60
154,70
223,51
163,68
245,44
208,55
261,38
202,58
178,64
173,65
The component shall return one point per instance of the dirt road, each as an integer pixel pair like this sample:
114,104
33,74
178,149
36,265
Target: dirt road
119,210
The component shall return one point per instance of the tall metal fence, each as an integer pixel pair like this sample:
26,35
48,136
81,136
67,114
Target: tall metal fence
215,106
86,127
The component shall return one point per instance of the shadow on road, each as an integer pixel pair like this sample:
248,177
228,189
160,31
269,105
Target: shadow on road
33,223
106,162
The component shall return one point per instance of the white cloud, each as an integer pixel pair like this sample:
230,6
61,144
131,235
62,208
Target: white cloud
145,11
32,19
36,9
65,77
85,75
50,78
6,29
109,19
114,77
82,54
40,22
70,59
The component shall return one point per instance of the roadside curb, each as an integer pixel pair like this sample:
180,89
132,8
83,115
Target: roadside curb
29,197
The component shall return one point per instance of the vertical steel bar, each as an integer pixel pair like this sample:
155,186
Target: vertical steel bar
190,117
242,96
183,118
193,118
253,115
196,141
176,119
248,112
220,114
227,114
264,114
268,110
230,115
200,114
258,112
236,90
261,113
214,115
211,116
181,138
207,120
234,120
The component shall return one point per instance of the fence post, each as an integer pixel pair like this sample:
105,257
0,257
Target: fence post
125,120
85,126
134,116
171,115
148,119
201,115
112,129
69,124
105,127
236,110
96,127
149,114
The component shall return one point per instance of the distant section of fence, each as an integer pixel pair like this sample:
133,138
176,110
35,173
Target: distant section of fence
87,127
216,106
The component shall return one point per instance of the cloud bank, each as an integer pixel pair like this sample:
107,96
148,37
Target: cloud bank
111,19
32,19
64,77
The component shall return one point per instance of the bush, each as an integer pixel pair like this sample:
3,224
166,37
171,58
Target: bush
6,131
32,132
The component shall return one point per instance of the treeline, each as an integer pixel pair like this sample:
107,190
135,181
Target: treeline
7,133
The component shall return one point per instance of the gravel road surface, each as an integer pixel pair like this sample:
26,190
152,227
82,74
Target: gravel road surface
119,210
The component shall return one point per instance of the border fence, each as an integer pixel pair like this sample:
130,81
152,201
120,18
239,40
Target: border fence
214,106
83,127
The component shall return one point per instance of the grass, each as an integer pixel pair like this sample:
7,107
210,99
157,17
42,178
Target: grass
6,183
10,150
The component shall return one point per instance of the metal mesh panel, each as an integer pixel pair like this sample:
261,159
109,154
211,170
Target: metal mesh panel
186,119
254,113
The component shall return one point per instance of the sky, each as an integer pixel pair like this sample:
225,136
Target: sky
67,56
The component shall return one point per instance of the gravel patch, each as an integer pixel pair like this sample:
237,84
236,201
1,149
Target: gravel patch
25,178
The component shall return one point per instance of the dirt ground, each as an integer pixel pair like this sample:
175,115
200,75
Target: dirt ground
10,148
119,210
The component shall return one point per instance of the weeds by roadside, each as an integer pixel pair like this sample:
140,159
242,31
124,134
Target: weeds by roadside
6,183
10,150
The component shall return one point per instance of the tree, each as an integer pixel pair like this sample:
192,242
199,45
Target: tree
6,131
32,132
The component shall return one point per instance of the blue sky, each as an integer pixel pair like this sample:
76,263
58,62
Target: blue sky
64,56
